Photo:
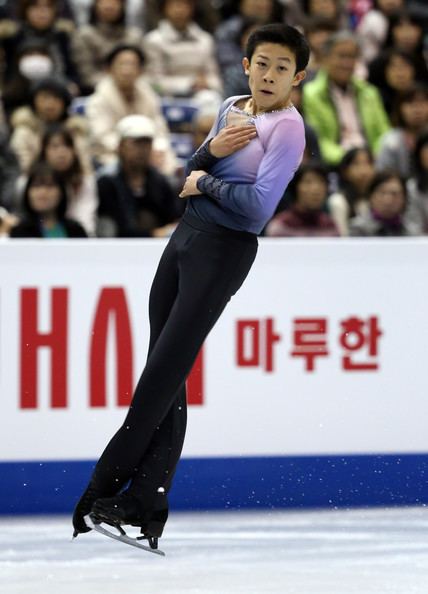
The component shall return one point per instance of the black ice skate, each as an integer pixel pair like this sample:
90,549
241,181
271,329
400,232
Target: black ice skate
125,509
83,508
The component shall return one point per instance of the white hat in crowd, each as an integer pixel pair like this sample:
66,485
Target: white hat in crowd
136,126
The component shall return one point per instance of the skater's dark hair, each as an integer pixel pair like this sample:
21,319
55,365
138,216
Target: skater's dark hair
281,35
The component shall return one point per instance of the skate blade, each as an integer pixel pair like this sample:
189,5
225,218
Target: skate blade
123,537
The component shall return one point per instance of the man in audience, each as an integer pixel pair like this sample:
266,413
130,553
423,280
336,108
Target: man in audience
136,200
344,111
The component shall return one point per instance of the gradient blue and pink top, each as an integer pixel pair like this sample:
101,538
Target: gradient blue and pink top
242,190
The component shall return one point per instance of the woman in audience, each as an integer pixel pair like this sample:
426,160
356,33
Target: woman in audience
406,34
207,15
49,106
44,207
307,216
59,151
125,92
332,10
38,20
393,73
386,214
92,42
356,172
373,27
34,62
180,56
410,119
417,188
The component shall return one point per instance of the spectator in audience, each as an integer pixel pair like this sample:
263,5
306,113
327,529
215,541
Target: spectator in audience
64,11
59,151
307,216
202,123
332,10
229,50
92,42
34,62
419,8
38,20
356,172
44,207
417,188
356,10
410,119
136,200
373,27
180,56
385,216
406,33
134,12
9,172
206,15
7,222
50,100
124,92
344,111
393,73
235,81
317,32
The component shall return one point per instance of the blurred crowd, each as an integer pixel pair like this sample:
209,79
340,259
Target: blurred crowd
103,101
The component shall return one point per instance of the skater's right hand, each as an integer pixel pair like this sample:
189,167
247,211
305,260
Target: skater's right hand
231,139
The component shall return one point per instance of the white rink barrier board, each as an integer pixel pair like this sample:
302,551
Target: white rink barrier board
311,390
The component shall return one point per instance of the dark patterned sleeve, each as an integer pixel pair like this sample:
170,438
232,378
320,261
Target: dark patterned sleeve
202,159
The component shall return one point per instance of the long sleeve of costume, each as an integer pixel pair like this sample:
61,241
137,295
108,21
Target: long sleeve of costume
202,159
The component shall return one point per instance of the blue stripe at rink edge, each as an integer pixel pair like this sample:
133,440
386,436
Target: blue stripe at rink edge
235,483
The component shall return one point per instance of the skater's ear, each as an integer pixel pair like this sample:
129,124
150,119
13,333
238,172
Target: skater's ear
246,66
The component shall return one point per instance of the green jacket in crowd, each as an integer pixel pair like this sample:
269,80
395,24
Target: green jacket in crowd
320,112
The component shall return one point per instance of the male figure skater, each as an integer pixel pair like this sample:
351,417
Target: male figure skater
236,179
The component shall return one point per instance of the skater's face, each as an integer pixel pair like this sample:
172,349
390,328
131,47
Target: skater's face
272,75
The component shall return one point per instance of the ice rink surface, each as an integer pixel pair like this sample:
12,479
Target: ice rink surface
379,551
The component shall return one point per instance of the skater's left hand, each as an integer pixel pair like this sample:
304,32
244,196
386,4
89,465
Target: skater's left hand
189,188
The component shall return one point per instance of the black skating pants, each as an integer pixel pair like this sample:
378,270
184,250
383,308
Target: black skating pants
201,268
